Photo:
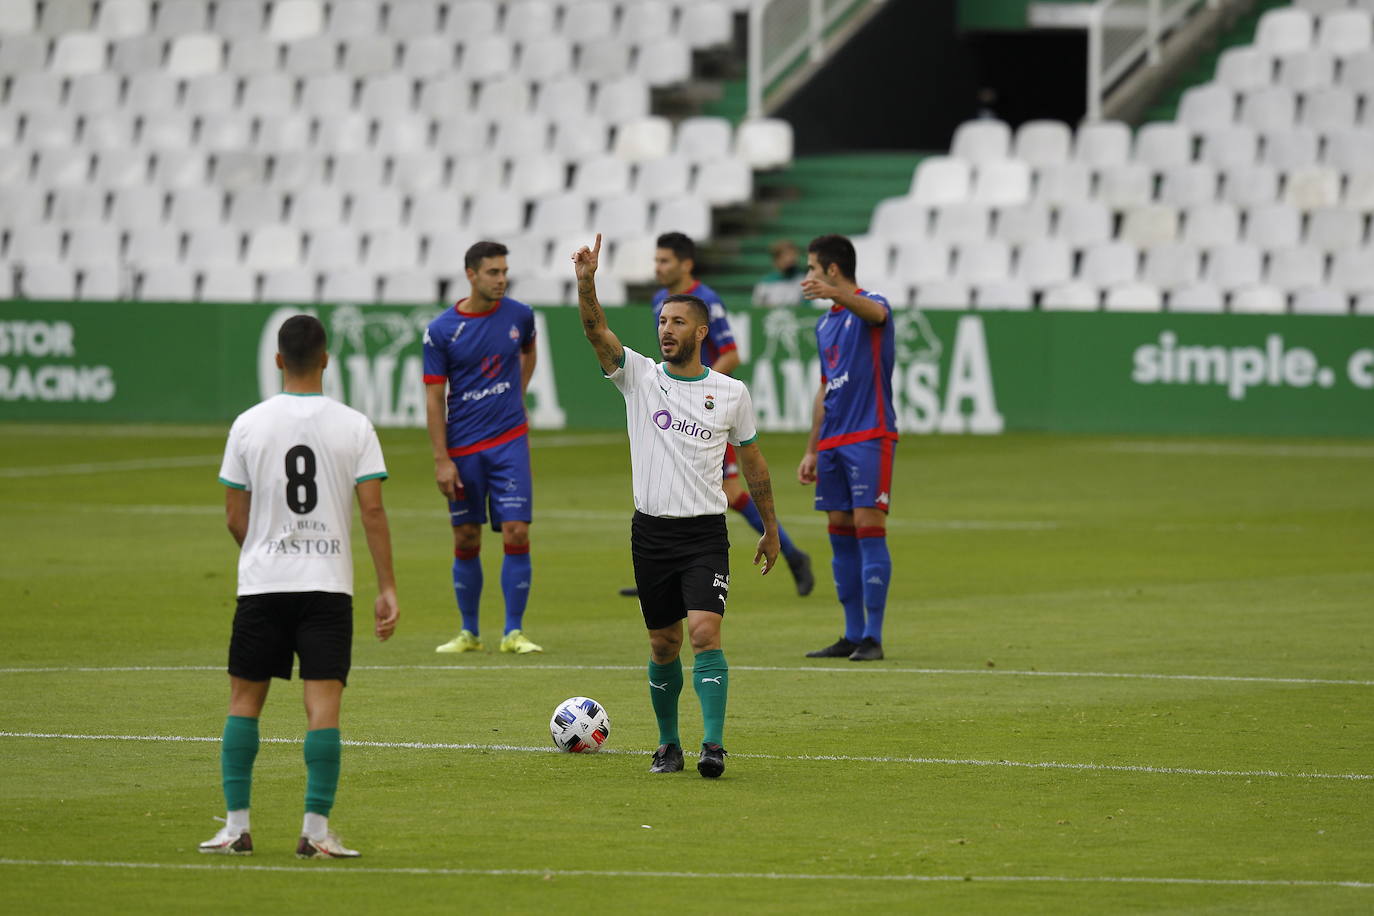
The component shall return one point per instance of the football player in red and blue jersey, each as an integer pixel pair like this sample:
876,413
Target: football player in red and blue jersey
478,358
674,264
853,436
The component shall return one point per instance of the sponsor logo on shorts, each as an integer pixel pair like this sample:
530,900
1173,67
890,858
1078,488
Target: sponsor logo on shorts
666,421
882,499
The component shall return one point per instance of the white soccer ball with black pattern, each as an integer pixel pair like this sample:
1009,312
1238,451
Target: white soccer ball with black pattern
580,726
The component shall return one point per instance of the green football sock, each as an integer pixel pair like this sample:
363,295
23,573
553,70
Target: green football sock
665,686
322,747
711,678
236,755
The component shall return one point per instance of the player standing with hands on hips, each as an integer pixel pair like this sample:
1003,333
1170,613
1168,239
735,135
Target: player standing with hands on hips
291,467
679,416
853,436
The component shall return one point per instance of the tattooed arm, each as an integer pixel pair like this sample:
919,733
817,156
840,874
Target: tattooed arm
604,342
761,490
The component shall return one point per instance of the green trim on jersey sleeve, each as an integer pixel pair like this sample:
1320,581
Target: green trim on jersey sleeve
750,441
381,475
232,485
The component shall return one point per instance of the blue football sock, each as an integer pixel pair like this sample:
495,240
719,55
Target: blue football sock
877,573
467,586
515,584
849,584
744,505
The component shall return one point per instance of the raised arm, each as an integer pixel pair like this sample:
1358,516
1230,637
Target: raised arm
755,469
378,533
607,346
868,309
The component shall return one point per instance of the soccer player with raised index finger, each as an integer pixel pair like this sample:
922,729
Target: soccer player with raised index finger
291,467
479,356
853,437
680,415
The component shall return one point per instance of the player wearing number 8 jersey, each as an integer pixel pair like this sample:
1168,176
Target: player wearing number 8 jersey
291,467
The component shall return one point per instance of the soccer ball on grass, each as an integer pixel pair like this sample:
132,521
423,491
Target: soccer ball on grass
579,726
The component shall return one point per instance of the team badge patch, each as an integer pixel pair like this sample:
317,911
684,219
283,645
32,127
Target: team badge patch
514,333
710,402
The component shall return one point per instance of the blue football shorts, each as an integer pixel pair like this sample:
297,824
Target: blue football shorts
855,476
496,484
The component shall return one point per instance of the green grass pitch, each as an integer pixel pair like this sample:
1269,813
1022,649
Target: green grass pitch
1123,675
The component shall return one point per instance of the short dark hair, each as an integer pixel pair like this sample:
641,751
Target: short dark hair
481,250
834,249
702,312
682,246
301,342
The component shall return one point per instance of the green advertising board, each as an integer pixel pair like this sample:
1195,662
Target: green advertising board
956,372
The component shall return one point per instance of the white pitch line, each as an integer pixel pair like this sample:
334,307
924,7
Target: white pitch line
1239,448
109,467
809,758
350,868
800,669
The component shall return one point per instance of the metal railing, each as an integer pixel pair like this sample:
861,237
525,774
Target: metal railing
786,37
1122,34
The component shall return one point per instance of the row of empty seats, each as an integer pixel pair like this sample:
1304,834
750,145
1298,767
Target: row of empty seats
1135,297
704,22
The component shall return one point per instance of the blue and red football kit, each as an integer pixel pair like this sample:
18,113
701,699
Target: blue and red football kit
859,430
858,435
477,354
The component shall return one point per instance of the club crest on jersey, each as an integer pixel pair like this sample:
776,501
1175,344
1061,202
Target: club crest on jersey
710,402
832,355
491,365
666,421
514,333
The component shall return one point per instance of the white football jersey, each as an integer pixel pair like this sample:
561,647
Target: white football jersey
301,456
678,430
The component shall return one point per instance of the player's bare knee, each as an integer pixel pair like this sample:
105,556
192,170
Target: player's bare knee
467,537
664,645
516,534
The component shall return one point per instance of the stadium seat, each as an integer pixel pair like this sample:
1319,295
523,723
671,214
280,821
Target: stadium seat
601,176
109,132
121,168
1043,143
530,20
179,168
333,248
444,250
1109,264
571,97
15,167
150,93
227,284
20,53
372,209
310,57
626,215
706,24
251,55
352,284
317,206
497,213
1023,224
1202,107
428,56
153,246
1270,108
1197,297
1295,268
1070,297
1359,189
78,52
1329,108
1045,262
137,206
1188,185
703,138
1357,72
1273,226
292,20
35,91
724,182
241,17
1317,7
961,222
1245,67
1332,229
293,284
38,244
48,281
520,134
1134,297
1229,146
1294,148
1001,183
874,253
167,283
1353,269
985,261
53,131
1124,186
83,205
392,249
764,143
213,246
546,60
1364,303
1172,265
1003,295
924,261
689,215
1251,186
283,133
632,259
1344,31
663,178
421,171
473,17
602,58
1259,300
943,294
1349,149
588,19
644,139
541,289
181,17
1320,300
18,17
195,55
1313,187
1083,223
238,170
62,168
436,211
1152,224
941,180
406,286
343,134
1102,144
1310,69
254,207
61,16
1064,183
1212,224
211,94
269,94
664,62
103,282
1284,30
1233,266
560,214
981,141
22,206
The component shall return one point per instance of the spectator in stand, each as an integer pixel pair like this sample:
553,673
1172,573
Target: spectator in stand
782,285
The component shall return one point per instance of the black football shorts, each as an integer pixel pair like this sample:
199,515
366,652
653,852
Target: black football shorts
270,629
681,565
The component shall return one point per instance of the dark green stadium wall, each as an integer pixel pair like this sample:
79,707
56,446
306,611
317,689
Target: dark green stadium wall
912,75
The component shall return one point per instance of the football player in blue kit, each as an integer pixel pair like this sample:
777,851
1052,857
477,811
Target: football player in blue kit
478,359
853,437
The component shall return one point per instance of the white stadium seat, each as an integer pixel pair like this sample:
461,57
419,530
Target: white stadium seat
1197,297
1189,185
1109,263
899,218
1134,297
353,284
689,215
274,247
1290,149
436,211
1229,146
1212,224
1353,270
962,222
1331,229
1284,30
764,143
1043,143
1124,186
1208,105
725,182
985,261
1273,226
980,141
528,20
1295,268
292,20
1001,183
1269,108
61,16
1308,69
1172,265
1083,223
941,180
659,179
1063,183
1344,31
587,19
1245,67
333,248
213,246
1312,188
1320,300
1259,300
924,261
1044,263
405,286
294,284
1010,295
1251,186
1071,297
167,283
180,17
1103,143
153,246
706,23
644,139
227,284
1233,266
392,249
703,138
195,55
241,17
18,17
665,62
78,52
944,294
1152,224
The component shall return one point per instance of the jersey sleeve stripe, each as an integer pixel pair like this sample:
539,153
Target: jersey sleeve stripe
380,475
232,485
435,379
751,440
727,347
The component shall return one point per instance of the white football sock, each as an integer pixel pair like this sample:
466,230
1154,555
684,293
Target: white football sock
237,820
316,826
